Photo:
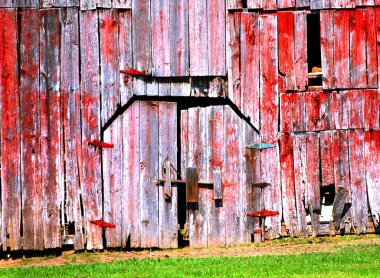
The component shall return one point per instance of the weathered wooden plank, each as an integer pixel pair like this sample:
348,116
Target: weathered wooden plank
254,4
180,89
358,180
312,100
341,165
371,109
339,206
216,42
121,4
167,146
358,38
6,4
234,4
300,51
198,38
342,4
231,177
372,62
51,136
355,107
30,131
340,111
10,132
269,4
70,89
327,48
342,45
302,3
164,88
179,37
161,47
268,77
152,87
250,69
86,4
372,156
283,4
149,173
131,198
377,14
316,4
233,54
365,2
288,184
286,117
216,220
300,154
313,195
90,107
286,59
110,98
299,112
125,55
142,36
218,88
327,158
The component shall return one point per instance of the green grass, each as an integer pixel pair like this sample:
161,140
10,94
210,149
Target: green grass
344,261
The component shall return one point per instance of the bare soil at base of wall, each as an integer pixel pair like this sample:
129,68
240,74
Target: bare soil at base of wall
276,247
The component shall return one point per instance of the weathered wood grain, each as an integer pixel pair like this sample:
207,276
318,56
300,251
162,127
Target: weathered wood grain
302,3
142,36
342,47
327,158
167,147
358,180
286,115
288,184
149,139
216,42
299,112
355,108
10,132
327,48
90,107
131,200
365,2
250,68
269,4
339,108
180,89
216,221
372,156
371,51
371,103
337,4
30,131
70,86
122,4
254,4
286,53
51,133
300,51
300,156
283,4
198,38
312,100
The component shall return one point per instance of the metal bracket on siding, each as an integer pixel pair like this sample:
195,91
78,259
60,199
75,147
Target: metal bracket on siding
133,72
100,144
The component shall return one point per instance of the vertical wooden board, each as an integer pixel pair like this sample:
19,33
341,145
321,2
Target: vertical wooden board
372,156
6,4
10,132
141,36
365,2
51,136
234,4
313,195
112,180
286,117
233,58
250,68
180,89
198,38
371,50
125,55
270,171
371,109
268,78
340,109
131,200
300,51
90,107
122,4
161,47
327,158
342,48
288,184
149,173
299,112
358,40
109,64
341,164
325,111
327,48
254,4
342,4
300,155
216,43
30,131
312,100
167,147
358,180
231,177
283,4
355,108
302,3
70,90
185,135
86,4
179,37
269,4
216,220
164,88
377,14
152,87
316,4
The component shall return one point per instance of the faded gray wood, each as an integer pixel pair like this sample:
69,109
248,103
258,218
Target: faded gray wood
339,207
121,4
168,182
217,185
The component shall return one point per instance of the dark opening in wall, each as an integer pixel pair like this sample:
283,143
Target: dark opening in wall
314,49
327,200
244,4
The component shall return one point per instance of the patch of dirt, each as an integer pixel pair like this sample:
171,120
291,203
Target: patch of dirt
276,247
